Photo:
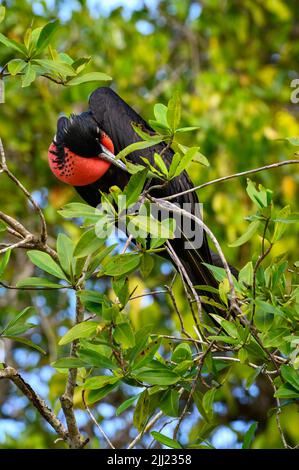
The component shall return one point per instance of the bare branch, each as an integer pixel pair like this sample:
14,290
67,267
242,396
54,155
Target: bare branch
41,406
235,175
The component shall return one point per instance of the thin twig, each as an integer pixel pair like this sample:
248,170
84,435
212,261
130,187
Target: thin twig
229,177
96,423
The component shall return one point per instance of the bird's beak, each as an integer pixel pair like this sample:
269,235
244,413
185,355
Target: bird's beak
110,158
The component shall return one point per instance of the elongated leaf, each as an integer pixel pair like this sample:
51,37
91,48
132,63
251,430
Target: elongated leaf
69,363
174,111
287,391
142,410
88,243
170,404
4,262
13,44
2,13
27,342
249,435
165,440
293,140
252,229
55,66
38,282
160,112
160,164
46,263
186,160
78,209
15,320
138,146
122,264
81,330
123,334
65,252
29,76
100,381
135,187
150,225
290,375
90,77
290,219
15,66
46,35
146,354
95,359
125,405
96,395
181,130
158,375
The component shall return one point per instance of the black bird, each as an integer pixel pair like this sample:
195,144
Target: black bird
76,157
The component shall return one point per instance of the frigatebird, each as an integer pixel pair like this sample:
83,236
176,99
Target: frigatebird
78,156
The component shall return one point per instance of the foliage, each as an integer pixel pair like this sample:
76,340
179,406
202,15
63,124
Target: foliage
135,348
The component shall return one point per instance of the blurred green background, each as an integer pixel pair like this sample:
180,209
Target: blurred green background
233,62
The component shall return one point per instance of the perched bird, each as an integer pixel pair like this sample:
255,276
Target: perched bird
77,157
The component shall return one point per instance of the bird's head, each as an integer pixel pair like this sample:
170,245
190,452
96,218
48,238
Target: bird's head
76,155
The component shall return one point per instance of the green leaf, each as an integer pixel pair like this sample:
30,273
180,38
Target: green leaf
160,112
166,441
249,435
65,252
29,76
27,342
3,226
290,375
96,395
15,66
135,187
88,243
246,274
38,282
160,128
95,359
100,381
208,401
170,404
123,334
142,410
252,229
78,209
90,77
286,391
4,262
181,130
160,164
148,224
293,140
145,355
46,263
54,66
174,111
81,330
125,405
45,36
290,219
182,353
17,319
262,197
13,44
2,13
156,374
185,160
122,264
147,264
78,64
69,363
140,145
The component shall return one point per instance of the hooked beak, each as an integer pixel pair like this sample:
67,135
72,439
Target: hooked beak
110,158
